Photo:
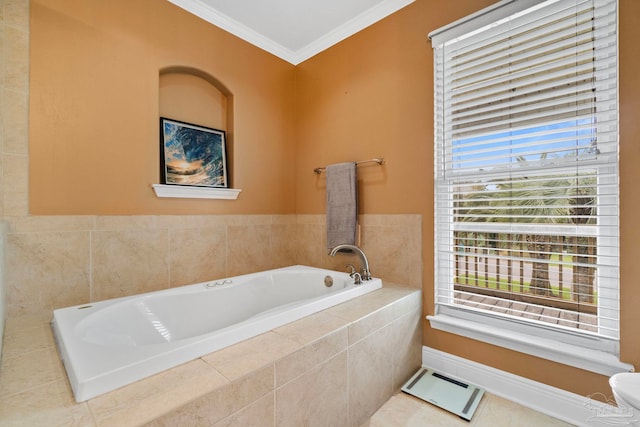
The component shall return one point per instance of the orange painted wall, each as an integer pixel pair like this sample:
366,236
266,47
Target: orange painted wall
94,132
372,95
629,90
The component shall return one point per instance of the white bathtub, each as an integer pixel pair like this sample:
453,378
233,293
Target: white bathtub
108,344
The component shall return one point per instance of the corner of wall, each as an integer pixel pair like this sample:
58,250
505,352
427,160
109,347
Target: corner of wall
3,237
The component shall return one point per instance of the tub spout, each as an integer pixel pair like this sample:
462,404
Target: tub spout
365,273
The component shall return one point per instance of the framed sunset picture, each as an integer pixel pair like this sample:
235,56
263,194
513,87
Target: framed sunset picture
192,155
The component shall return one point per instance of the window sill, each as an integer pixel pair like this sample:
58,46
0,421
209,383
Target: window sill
190,192
556,351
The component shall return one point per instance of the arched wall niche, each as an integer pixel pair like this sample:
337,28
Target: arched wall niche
194,96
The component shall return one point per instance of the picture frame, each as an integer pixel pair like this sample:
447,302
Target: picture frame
192,155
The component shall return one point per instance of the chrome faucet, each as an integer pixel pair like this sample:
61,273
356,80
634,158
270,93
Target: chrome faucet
365,273
353,273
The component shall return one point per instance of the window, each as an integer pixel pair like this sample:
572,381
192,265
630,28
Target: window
526,176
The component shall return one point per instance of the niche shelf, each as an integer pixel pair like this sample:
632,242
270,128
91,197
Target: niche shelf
186,192
195,96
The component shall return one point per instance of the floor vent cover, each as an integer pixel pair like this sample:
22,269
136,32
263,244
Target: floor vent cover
445,392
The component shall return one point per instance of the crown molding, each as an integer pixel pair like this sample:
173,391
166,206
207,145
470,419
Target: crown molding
358,23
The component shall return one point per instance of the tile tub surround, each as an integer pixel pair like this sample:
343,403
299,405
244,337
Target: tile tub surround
336,367
61,261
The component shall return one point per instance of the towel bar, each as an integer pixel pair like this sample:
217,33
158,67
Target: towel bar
379,161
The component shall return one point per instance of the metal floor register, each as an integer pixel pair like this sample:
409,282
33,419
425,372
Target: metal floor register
445,392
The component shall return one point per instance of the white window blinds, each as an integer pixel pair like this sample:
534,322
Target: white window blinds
526,174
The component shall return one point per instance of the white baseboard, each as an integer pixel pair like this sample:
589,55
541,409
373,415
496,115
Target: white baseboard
552,401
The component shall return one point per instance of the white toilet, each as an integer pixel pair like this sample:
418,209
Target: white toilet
626,391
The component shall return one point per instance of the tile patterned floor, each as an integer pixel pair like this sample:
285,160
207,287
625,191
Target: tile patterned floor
403,410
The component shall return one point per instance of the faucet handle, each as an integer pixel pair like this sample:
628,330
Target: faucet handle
357,278
352,268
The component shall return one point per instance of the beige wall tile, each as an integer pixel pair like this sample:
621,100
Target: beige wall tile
283,245
29,370
249,355
248,219
37,337
48,270
16,58
53,223
312,219
310,356
15,133
407,345
310,247
176,222
143,401
181,221
137,222
311,328
197,255
128,262
249,249
408,304
397,220
370,375
221,402
369,303
284,219
261,413
370,323
16,13
48,405
317,398
390,255
16,325
2,180
15,169
393,245
135,254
